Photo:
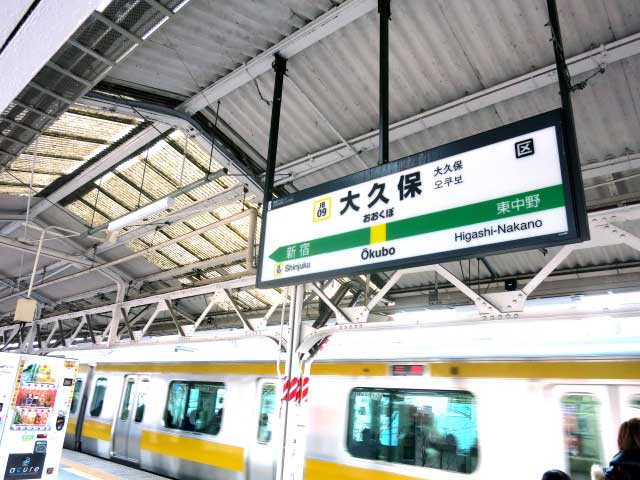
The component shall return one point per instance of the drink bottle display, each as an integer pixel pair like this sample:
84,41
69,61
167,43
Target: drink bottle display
35,397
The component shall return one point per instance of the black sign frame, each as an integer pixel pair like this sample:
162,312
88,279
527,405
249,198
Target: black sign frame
574,202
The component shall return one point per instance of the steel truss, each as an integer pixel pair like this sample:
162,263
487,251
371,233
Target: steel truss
126,329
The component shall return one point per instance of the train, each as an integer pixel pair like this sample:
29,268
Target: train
404,419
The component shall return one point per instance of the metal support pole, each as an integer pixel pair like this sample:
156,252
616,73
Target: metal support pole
571,142
115,315
291,461
62,333
174,317
280,67
384,9
35,262
38,337
91,332
251,240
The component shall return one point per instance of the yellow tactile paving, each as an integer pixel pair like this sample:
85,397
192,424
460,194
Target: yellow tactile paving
87,472
80,466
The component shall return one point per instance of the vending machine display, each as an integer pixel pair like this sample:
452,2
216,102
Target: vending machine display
35,396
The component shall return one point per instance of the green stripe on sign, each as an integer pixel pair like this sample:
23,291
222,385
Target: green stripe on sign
489,210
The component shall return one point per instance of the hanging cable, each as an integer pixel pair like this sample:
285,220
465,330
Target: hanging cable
26,219
95,204
144,172
31,192
268,102
184,157
215,125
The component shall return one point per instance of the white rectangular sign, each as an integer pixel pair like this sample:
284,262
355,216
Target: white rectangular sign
501,190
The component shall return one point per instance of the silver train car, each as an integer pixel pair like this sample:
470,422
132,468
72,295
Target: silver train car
404,420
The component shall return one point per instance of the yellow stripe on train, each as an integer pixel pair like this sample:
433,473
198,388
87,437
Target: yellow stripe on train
71,426
344,369
321,470
210,453
97,430
619,370
585,369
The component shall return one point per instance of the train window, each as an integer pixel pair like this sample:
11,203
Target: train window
143,387
582,433
98,397
195,407
127,399
75,399
429,428
267,415
634,402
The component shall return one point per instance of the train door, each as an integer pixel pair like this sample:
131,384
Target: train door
586,426
128,424
72,434
262,452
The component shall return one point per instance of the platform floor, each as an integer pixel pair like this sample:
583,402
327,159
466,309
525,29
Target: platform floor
79,466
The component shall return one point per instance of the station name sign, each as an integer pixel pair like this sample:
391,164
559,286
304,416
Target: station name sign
499,191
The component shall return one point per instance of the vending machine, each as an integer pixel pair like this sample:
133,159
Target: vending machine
35,396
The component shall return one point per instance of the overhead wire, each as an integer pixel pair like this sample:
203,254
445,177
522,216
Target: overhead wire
214,126
31,192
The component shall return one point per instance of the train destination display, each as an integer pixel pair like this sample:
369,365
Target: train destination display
502,190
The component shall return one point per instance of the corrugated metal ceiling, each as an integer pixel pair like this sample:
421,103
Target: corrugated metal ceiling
156,172
440,51
77,137
210,38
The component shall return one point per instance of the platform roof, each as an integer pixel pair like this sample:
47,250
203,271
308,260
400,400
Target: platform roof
187,93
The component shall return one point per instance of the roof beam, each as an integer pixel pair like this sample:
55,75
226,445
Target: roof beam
118,28
28,128
186,123
6,283
59,19
152,248
18,103
52,94
64,71
161,8
579,64
45,252
203,265
247,281
113,158
610,166
14,140
313,32
91,52
77,138
223,198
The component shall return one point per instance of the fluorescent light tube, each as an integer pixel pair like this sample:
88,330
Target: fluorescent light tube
142,213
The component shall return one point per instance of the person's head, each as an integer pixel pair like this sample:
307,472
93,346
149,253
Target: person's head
555,475
629,435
